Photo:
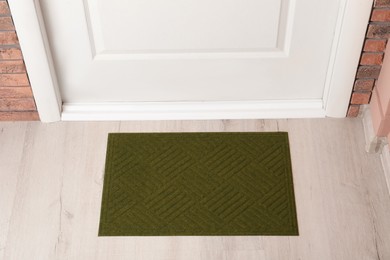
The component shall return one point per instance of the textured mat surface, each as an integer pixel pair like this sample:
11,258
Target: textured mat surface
162,184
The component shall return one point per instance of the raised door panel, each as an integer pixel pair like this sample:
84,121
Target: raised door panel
192,26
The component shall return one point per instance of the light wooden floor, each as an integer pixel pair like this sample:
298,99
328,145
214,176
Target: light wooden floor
51,178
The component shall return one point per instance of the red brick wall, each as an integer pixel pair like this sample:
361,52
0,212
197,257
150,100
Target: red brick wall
16,98
378,32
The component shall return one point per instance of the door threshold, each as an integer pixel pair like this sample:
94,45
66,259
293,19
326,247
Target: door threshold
116,111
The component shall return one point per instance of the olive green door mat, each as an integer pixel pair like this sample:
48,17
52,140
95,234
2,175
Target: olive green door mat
198,184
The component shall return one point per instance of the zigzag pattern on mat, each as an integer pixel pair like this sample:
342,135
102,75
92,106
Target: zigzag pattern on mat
194,184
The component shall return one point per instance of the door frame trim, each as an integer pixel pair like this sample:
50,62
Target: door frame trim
347,46
30,28
350,30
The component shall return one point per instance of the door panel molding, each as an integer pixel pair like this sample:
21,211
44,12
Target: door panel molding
271,33
279,49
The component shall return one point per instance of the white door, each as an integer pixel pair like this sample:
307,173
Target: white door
126,52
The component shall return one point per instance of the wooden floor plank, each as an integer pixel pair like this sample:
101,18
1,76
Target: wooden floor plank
53,181
12,140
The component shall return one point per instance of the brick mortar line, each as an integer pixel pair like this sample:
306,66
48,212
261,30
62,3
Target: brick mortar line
2,73
373,52
375,39
17,111
379,22
15,73
10,46
11,60
16,98
13,86
5,73
366,79
381,8
370,66
362,91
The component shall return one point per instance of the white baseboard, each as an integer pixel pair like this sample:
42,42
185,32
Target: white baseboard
192,110
374,144
385,159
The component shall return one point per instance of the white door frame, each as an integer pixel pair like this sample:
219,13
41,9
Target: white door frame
347,45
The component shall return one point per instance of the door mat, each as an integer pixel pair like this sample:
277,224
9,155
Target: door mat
202,184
